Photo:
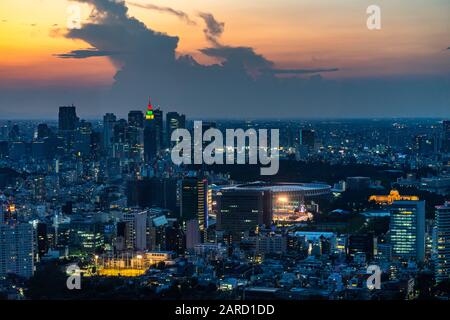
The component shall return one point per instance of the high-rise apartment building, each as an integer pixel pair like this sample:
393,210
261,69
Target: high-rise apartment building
442,220
17,249
407,230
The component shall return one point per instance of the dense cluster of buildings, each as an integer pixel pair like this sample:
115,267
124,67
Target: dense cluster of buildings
108,193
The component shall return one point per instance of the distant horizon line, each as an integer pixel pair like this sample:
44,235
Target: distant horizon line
252,119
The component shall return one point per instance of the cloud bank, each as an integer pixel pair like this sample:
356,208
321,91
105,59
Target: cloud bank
244,84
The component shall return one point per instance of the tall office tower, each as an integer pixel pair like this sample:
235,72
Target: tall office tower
174,121
135,133
43,131
109,120
150,146
136,118
446,136
120,131
241,211
153,132
407,230
307,138
16,249
67,118
442,270
194,200
82,143
159,128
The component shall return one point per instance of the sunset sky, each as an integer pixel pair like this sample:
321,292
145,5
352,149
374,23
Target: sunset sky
293,34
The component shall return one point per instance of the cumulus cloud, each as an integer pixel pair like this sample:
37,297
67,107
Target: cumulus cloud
243,57
243,83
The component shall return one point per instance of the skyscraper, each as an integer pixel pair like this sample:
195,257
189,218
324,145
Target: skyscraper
67,118
159,129
135,133
194,200
242,210
407,230
16,249
136,118
109,121
153,132
174,121
442,271
83,138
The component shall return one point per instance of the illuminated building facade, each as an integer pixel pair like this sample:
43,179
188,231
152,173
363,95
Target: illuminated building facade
407,230
16,249
131,265
86,237
135,133
285,203
153,132
195,198
442,271
394,195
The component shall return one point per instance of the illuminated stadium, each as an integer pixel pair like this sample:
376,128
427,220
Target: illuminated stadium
288,202
303,190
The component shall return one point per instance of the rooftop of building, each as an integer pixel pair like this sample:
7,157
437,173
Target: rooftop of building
280,187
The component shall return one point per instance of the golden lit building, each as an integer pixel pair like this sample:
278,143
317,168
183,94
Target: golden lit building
394,195
134,265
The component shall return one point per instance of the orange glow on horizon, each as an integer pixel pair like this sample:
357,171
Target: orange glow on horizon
293,34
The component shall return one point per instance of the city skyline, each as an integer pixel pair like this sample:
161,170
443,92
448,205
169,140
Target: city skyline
308,60
355,210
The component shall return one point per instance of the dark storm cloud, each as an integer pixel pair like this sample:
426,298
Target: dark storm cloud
178,13
85,53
